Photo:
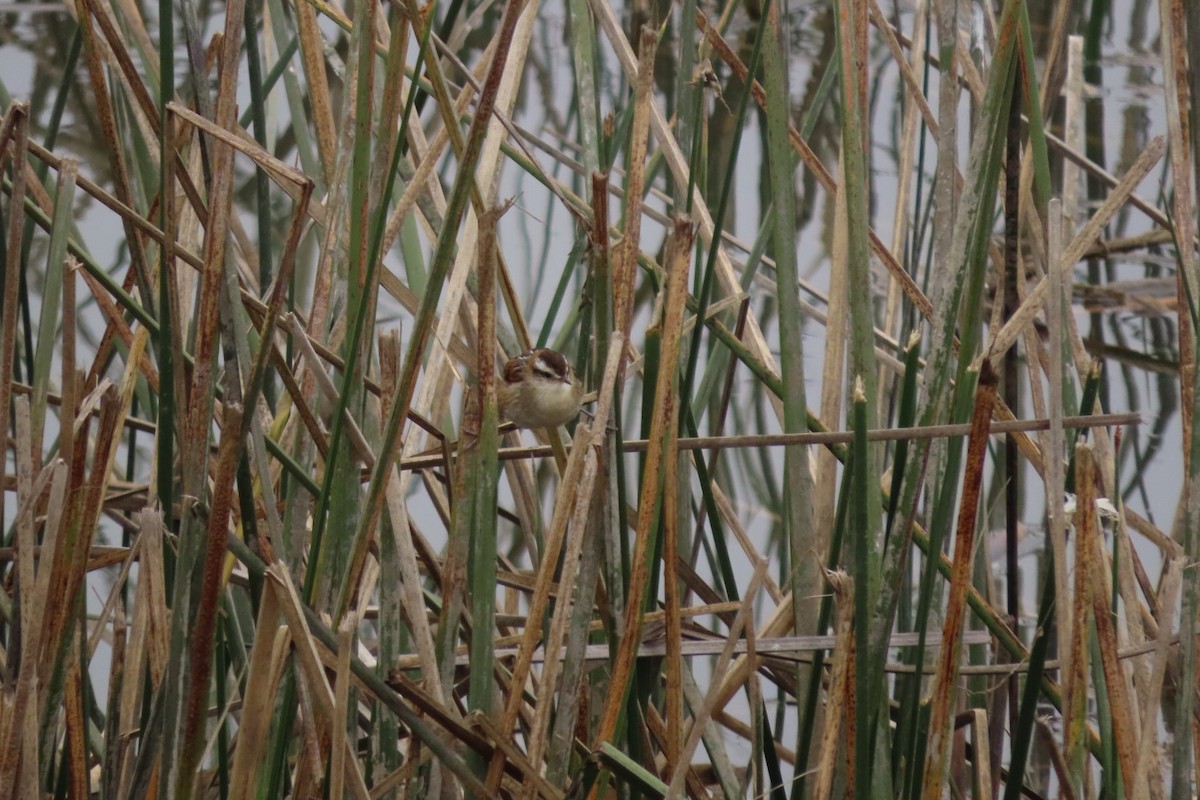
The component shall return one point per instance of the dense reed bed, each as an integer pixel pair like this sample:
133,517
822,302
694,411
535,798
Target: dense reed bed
861,295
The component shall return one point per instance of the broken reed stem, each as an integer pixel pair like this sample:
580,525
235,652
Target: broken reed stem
998,428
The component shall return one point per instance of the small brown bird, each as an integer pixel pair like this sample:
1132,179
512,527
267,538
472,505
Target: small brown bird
539,390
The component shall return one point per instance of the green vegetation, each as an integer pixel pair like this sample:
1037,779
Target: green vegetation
264,535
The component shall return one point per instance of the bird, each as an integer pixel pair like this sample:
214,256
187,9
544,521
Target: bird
539,390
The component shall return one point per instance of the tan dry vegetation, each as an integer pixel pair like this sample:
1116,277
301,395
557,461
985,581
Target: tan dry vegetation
238,494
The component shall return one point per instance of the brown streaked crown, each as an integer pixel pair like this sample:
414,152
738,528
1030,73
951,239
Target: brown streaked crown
548,363
552,364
